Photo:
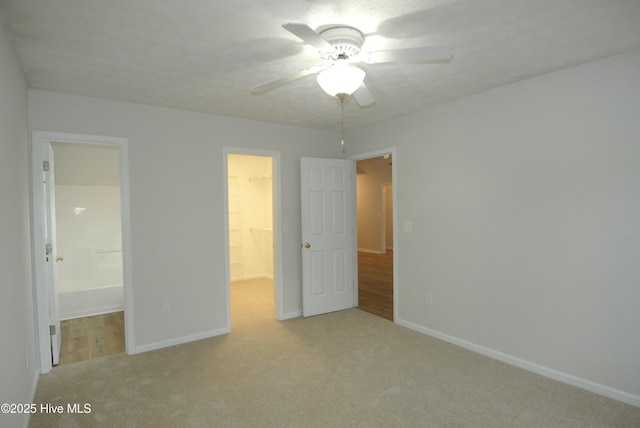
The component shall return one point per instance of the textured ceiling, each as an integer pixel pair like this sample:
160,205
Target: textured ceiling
206,55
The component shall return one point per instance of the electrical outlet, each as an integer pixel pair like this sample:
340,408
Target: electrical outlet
166,309
429,300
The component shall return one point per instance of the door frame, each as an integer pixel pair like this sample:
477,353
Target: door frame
39,141
394,181
383,211
278,289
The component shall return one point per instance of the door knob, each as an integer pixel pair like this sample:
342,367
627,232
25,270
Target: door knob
307,245
59,258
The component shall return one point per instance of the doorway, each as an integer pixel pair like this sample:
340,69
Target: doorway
81,247
376,237
88,274
253,280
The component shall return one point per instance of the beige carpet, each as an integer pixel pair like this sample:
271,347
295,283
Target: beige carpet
345,369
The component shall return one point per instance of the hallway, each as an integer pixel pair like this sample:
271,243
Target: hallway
375,283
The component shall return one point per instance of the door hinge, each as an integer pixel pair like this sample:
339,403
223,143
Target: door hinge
52,330
45,166
48,249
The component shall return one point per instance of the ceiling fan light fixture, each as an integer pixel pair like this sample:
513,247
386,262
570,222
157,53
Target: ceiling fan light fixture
341,79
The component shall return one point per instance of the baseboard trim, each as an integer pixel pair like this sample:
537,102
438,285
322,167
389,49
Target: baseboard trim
290,315
366,250
250,277
596,388
34,384
34,388
179,341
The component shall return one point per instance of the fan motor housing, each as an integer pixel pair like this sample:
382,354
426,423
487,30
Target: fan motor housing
347,41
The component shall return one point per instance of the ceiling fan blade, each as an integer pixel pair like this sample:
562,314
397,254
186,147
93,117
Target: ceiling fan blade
277,83
422,54
363,96
307,35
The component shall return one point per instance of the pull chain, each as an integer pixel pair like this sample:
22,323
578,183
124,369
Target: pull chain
342,124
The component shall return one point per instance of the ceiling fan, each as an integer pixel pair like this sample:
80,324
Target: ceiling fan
341,45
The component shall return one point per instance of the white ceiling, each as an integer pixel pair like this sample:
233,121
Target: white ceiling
205,55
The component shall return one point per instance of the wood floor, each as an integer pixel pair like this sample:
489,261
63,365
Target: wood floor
91,337
375,283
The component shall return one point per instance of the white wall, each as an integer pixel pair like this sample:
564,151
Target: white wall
177,209
525,203
88,237
18,372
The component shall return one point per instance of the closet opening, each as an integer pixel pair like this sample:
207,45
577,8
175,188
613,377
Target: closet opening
252,272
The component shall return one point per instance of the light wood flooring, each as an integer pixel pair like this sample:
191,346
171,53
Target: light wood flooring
91,337
375,283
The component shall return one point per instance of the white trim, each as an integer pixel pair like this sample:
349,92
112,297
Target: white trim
40,291
383,220
290,315
38,140
385,247
179,341
34,389
278,288
606,391
394,180
366,250
250,277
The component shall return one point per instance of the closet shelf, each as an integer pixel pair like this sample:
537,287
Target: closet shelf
108,250
260,177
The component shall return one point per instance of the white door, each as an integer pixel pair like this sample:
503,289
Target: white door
328,225
50,252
